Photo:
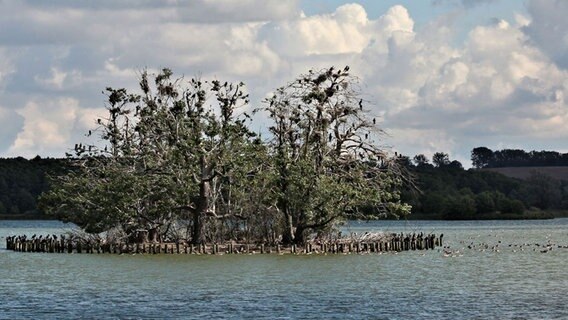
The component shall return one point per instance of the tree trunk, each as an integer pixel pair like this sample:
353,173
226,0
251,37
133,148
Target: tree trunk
288,236
141,236
202,206
153,235
198,230
299,237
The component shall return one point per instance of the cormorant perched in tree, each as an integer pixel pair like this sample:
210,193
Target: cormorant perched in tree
374,121
361,104
329,137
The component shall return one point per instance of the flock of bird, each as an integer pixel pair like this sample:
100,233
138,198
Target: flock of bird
546,247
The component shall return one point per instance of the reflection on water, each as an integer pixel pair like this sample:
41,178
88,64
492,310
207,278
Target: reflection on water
506,282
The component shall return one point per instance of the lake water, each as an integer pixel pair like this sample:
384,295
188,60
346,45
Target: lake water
503,276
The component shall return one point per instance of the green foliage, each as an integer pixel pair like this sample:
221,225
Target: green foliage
440,159
483,157
176,157
485,202
21,182
459,207
448,190
174,148
327,164
543,191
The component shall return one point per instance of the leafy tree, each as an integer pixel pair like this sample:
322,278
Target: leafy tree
176,156
481,157
434,202
455,165
544,191
484,202
440,159
460,207
420,160
166,153
326,160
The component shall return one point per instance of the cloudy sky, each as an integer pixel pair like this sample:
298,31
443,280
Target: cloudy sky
443,75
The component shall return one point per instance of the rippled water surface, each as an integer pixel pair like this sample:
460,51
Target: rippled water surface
503,276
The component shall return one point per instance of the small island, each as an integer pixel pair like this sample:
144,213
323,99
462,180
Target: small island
178,162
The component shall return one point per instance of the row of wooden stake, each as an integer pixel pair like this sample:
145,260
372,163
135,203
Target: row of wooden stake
68,245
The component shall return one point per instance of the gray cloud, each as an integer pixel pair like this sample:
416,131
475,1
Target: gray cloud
10,124
195,11
549,28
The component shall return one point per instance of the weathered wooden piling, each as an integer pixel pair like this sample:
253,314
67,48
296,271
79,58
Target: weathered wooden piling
366,244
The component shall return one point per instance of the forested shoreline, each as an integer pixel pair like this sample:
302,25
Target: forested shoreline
22,181
445,191
448,191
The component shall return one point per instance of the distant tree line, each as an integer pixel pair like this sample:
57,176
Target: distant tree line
449,191
22,181
482,157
